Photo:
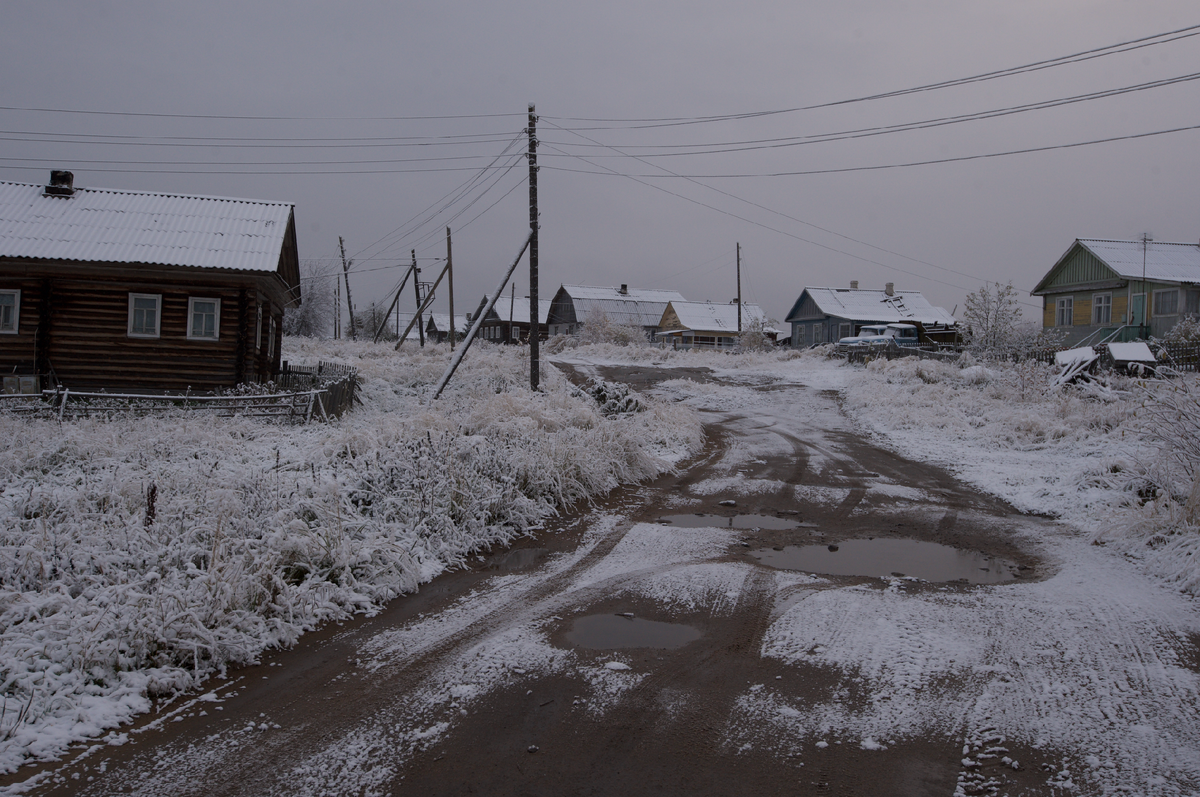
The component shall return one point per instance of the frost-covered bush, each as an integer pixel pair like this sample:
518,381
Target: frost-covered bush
599,328
140,555
1187,331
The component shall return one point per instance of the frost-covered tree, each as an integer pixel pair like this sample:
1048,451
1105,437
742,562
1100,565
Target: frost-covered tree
753,337
599,328
313,317
372,320
992,316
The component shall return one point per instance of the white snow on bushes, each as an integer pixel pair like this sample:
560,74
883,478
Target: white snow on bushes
140,555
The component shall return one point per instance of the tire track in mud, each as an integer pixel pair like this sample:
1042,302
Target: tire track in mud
264,768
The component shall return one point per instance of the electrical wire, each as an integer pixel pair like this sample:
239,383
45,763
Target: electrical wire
881,167
791,141
1085,55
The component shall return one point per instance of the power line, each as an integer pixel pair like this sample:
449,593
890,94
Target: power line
881,167
263,118
155,141
1085,55
865,132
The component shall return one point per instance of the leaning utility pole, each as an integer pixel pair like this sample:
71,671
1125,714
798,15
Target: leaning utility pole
346,274
534,364
739,281
417,294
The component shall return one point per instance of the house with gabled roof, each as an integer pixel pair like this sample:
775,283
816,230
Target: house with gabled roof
141,291
508,321
437,328
1120,289
826,315
708,325
574,305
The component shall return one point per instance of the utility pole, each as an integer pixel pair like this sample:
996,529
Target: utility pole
337,309
1145,296
349,301
739,286
450,283
417,294
534,363
512,299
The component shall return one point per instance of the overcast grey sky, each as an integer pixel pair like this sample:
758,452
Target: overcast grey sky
201,77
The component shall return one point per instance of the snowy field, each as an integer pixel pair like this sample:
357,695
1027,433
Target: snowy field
260,532
138,556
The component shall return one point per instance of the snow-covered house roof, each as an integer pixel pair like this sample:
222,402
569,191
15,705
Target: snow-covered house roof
519,308
1163,262
142,227
440,322
710,317
867,305
573,304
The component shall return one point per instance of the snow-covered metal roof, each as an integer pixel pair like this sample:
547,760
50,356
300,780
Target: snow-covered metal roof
520,309
621,305
440,322
113,226
710,317
1165,262
861,304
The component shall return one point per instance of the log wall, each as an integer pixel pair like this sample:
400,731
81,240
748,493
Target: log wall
73,328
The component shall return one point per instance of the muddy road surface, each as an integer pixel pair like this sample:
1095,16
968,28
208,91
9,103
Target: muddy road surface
669,640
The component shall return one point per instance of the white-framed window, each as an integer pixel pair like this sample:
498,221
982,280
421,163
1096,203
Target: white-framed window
845,331
1101,308
270,339
1166,302
1064,311
258,330
204,318
10,311
145,311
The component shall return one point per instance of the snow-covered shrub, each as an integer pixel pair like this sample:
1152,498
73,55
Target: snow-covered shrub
612,398
1187,331
140,555
599,328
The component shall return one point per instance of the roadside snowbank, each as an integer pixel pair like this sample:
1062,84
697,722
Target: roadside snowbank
140,555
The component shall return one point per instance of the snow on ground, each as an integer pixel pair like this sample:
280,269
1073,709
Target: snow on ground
1092,662
1097,661
140,555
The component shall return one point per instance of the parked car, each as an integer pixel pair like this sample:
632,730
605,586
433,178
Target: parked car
883,335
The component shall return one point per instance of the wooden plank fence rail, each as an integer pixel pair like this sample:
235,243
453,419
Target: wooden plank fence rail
302,394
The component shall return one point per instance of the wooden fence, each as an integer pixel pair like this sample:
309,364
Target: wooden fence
299,395
1180,356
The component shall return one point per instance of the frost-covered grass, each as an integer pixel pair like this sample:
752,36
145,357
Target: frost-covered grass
1098,460
139,556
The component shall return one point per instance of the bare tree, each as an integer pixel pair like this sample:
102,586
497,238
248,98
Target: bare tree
992,316
313,317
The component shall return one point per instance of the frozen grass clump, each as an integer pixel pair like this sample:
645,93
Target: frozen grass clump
140,555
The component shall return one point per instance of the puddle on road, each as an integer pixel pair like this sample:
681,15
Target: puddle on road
745,522
882,557
614,632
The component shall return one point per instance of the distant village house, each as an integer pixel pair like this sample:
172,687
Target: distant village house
705,325
573,306
508,322
826,315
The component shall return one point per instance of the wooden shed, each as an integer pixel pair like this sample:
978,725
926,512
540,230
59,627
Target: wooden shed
139,291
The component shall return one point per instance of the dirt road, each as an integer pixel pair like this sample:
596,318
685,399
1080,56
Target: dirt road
647,645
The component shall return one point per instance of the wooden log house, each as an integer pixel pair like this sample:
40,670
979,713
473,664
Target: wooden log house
130,291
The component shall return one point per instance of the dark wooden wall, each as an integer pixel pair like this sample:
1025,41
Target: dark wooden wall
75,329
